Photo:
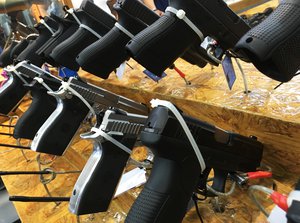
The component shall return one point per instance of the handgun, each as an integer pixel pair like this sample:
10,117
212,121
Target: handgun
22,45
110,52
176,172
92,23
46,28
66,27
57,132
107,162
14,49
42,104
183,24
13,91
273,46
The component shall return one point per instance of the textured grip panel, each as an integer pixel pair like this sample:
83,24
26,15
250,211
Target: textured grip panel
103,170
34,117
151,47
287,57
167,192
146,207
66,52
105,55
274,45
58,131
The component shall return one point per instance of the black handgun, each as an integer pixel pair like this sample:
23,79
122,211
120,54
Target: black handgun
176,172
46,28
66,27
186,23
22,45
110,52
57,132
42,104
107,162
13,91
273,46
93,23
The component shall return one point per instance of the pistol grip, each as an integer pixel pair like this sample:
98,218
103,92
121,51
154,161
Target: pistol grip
147,47
98,181
57,132
167,192
34,117
66,52
273,45
109,50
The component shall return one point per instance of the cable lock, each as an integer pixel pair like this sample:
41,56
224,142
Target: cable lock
182,15
71,12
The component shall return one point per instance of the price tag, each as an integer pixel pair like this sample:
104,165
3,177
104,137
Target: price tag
66,72
153,76
121,70
277,215
229,71
131,179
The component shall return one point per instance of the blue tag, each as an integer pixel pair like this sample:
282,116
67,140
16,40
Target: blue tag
66,72
153,76
229,71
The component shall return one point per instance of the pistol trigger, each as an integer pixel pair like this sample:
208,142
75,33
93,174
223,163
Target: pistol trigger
62,94
93,134
87,135
219,182
203,181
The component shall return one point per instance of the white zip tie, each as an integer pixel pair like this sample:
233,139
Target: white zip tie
182,15
71,11
46,25
66,86
91,30
41,81
172,108
20,76
129,34
99,132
